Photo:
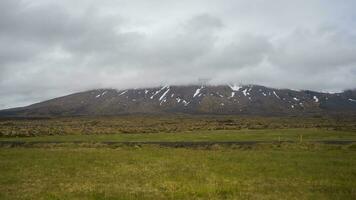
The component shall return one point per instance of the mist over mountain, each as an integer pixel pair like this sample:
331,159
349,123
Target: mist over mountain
51,48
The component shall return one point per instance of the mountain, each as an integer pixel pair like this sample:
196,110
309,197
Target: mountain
193,99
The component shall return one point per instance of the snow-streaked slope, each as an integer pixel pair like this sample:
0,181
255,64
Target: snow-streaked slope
207,99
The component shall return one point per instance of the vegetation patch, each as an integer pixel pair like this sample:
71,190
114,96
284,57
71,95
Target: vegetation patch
132,124
152,172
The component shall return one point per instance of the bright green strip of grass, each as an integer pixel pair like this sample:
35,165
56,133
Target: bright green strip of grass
222,135
168,173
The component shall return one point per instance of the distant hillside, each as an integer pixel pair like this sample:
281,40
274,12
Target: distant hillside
194,99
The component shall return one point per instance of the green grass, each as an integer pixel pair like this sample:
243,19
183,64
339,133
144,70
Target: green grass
264,171
222,135
286,172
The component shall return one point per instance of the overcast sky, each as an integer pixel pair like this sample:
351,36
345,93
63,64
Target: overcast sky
50,48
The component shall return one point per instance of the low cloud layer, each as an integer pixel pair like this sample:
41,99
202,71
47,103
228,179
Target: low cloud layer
51,48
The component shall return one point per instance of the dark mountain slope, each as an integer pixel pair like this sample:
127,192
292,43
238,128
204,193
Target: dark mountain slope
194,99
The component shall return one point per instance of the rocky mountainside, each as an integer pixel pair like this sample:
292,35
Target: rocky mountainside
193,99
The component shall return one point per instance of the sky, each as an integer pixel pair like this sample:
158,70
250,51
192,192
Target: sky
50,48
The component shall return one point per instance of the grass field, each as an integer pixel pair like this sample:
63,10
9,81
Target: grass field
305,169
266,172
311,134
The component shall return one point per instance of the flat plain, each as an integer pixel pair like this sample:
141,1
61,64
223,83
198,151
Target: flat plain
303,168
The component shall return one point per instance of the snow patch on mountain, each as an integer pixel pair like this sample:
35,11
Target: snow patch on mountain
316,99
122,92
100,95
185,102
275,94
158,91
182,100
245,92
164,94
198,91
232,94
234,89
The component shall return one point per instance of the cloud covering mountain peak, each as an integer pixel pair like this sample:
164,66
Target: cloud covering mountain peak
50,48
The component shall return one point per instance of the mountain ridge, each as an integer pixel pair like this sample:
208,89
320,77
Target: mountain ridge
234,99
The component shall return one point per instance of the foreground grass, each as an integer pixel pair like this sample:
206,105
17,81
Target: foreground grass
263,172
215,136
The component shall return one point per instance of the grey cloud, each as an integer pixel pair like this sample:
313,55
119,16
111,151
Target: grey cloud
50,48
248,51
194,39
203,22
306,51
32,29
